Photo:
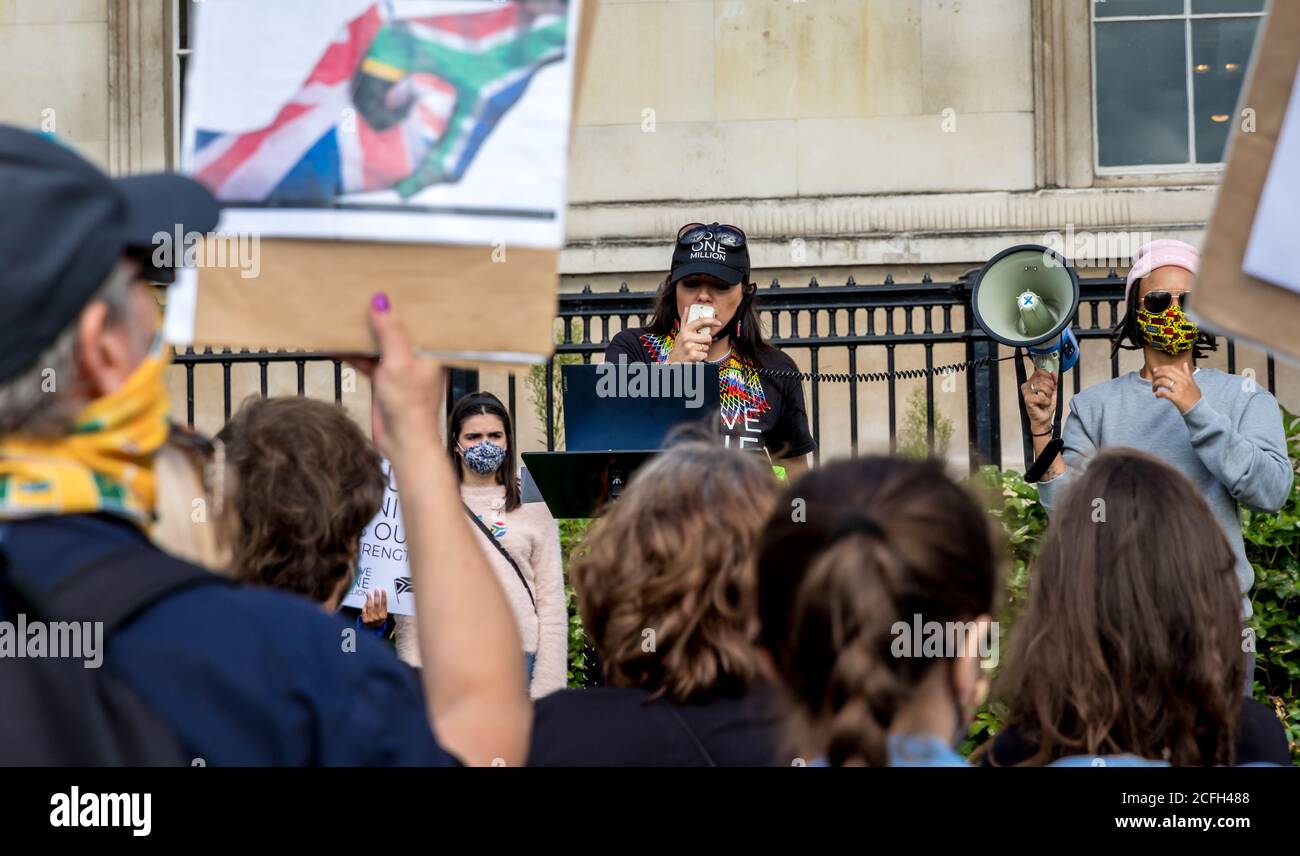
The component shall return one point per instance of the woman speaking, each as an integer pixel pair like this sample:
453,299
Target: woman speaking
760,410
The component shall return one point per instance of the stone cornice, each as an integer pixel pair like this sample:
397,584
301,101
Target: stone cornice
852,230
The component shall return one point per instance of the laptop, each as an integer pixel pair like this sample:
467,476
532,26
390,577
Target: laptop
622,406
616,417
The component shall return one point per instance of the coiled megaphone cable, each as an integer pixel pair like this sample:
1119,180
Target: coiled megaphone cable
880,377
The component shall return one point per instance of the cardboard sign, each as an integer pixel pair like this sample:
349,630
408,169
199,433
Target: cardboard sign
415,147
1225,296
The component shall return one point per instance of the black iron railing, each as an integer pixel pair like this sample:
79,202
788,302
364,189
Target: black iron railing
813,321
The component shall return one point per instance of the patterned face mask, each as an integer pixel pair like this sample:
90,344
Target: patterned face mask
1169,331
484,458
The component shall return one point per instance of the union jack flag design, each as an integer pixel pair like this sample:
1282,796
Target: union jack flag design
393,103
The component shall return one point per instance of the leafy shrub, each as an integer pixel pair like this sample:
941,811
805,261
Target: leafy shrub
913,435
1013,503
571,535
1273,548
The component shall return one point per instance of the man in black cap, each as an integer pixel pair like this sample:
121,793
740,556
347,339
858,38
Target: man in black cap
241,676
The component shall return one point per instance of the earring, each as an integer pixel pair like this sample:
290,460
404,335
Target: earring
738,323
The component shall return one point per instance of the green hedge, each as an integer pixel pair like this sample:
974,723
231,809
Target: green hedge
1274,551
571,534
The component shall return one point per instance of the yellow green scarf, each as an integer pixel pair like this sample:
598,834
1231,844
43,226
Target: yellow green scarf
104,465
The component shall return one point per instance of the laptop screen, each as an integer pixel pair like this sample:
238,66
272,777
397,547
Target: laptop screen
633,406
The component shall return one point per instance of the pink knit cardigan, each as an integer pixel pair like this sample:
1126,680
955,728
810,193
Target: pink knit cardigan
530,534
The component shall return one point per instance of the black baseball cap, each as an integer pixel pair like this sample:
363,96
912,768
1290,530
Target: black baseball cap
711,257
64,224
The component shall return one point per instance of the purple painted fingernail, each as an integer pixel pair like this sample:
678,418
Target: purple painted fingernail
380,302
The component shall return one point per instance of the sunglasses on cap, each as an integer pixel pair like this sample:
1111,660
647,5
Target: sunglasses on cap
694,233
1156,302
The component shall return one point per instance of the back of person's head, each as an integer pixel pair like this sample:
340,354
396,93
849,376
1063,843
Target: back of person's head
187,515
301,483
853,549
1131,642
665,580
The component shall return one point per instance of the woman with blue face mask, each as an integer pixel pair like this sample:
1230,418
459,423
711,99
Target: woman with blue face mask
521,540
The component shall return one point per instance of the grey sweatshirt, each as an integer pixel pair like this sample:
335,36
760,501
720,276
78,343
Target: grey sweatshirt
1230,444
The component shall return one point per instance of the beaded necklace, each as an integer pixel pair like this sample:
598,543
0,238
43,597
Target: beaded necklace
740,388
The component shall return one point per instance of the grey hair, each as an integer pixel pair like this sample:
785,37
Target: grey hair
39,400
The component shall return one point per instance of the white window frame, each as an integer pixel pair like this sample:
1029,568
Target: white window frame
1190,166
178,52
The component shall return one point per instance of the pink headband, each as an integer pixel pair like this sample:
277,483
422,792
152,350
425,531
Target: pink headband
1158,254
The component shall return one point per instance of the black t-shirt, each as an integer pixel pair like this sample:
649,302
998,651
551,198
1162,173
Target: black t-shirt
609,726
758,411
1260,737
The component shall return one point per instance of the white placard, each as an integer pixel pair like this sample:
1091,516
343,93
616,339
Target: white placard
1273,253
382,562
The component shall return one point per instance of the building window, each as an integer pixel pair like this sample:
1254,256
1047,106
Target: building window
181,18
1166,77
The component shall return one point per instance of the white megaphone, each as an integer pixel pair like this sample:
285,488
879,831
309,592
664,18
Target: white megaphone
1025,297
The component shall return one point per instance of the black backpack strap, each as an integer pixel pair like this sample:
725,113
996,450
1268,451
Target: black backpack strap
487,533
112,588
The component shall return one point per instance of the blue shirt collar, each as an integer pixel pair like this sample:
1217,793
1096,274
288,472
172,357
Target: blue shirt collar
922,750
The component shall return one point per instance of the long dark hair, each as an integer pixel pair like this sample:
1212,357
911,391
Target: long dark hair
1127,334
851,549
485,404
748,344
1131,642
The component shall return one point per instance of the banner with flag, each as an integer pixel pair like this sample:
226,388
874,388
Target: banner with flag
408,120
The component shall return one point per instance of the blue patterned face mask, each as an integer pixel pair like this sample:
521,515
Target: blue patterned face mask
484,458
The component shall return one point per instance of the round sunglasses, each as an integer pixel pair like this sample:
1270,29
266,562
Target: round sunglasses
694,233
1156,302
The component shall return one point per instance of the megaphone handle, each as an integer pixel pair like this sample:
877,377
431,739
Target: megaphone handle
1055,445
1036,468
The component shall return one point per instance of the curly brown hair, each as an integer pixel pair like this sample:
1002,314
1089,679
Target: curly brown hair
852,549
1131,642
302,482
665,580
